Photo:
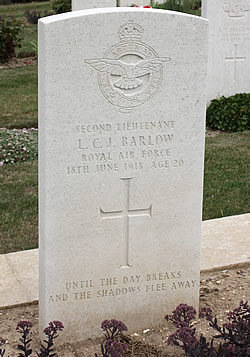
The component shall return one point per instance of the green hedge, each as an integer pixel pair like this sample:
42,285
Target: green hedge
230,114
60,6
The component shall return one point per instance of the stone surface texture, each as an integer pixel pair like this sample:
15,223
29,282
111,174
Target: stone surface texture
229,47
122,119
18,278
225,241
93,4
226,236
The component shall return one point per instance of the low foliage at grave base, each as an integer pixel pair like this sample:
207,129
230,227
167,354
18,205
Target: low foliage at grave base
232,339
230,114
46,349
235,334
9,37
114,345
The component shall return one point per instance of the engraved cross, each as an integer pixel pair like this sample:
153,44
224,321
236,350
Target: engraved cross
235,59
125,214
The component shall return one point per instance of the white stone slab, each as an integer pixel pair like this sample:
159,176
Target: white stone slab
121,120
229,47
19,278
91,4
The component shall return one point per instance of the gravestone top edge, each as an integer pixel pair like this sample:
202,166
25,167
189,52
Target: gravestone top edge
100,11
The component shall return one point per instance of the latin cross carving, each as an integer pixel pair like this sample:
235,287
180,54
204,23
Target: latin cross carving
125,214
235,58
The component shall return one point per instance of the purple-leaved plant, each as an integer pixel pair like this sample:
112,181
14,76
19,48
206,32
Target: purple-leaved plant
235,333
114,345
51,332
46,350
2,343
23,327
182,316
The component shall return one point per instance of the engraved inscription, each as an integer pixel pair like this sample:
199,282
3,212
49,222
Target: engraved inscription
236,8
125,214
79,291
130,73
124,147
235,59
235,32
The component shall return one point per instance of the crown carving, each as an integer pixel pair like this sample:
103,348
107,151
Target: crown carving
131,31
235,10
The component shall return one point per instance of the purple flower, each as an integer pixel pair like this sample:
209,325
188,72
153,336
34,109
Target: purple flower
105,324
182,315
184,335
206,312
115,348
114,325
53,328
23,324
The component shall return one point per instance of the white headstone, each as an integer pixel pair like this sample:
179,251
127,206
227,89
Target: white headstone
121,117
90,4
229,47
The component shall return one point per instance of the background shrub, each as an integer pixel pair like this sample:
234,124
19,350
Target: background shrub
178,5
9,37
230,114
60,6
33,16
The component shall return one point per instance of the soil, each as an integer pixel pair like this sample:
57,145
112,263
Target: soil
212,133
222,290
19,62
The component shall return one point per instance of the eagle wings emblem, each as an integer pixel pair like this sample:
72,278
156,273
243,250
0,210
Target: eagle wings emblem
129,73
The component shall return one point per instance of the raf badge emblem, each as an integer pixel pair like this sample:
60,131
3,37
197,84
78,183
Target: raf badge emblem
236,8
130,73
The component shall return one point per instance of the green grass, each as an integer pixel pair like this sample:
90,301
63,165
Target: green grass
226,182
18,104
225,190
30,31
18,207
29,35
